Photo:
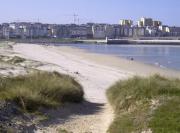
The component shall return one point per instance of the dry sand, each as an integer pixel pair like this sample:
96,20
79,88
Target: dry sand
96,73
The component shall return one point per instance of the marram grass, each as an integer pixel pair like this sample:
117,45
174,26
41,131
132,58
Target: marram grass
145,104
41,89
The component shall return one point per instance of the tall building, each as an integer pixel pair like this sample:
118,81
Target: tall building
125,22
143,22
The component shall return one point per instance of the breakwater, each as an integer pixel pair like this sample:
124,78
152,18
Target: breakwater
131,41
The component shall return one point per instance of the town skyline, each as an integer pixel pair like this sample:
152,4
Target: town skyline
134,23
62,12
146,27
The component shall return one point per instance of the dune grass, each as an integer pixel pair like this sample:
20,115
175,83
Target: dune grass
40,89
146,104
12,60
62,131
16,60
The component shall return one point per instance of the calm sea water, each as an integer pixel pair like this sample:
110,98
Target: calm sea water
162,56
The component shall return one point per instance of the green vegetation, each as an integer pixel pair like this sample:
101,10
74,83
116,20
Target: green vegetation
11,60
2,44
16,60
62,131
143,104
41,89
45,40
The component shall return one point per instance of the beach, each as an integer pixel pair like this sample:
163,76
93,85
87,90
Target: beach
95,72
127,65
94,77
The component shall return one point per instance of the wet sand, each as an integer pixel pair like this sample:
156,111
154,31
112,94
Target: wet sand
134,67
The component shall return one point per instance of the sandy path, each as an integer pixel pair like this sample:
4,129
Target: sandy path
93,116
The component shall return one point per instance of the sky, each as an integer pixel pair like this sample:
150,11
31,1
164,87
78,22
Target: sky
100,11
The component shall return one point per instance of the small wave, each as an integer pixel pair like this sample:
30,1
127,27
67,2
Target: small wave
157,63
161,66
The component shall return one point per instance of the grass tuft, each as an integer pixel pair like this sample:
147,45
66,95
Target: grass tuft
141,104
41,89
16,60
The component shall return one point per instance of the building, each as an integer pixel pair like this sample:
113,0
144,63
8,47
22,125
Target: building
138,31
99,31
45,30
157,23
143,22
126,31
125,22
89,30
63,31
151,31
140,23
6,30
35,30
74,31
1,31
146,28
174,31
117,31
49,30
122,31
78,31
165,30
17,30
109,31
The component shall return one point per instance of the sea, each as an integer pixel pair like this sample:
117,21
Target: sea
164,56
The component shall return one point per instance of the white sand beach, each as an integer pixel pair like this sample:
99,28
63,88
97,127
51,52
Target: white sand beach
95,72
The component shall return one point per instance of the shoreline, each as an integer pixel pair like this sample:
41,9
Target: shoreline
136,67
125,41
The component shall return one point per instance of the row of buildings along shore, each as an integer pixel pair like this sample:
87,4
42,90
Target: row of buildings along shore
146,27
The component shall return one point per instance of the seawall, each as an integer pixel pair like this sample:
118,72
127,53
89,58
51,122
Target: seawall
154,42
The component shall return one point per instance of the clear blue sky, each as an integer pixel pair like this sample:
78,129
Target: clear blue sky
107,11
